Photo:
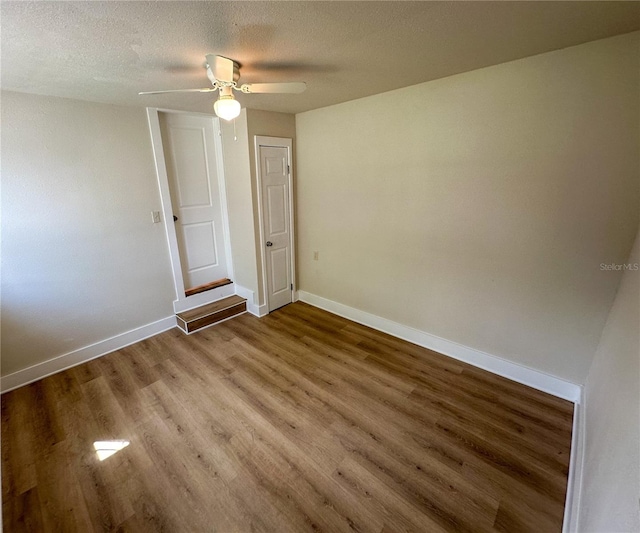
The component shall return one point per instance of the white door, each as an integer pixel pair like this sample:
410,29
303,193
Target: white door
276,220
195,191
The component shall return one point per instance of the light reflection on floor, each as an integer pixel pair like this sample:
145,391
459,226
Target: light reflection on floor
106,448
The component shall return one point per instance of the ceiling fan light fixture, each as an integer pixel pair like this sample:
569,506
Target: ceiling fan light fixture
223,73
227,107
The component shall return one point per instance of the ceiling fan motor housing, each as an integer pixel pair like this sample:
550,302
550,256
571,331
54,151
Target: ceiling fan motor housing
223,69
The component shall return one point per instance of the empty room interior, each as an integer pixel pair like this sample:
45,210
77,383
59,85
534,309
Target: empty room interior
320,266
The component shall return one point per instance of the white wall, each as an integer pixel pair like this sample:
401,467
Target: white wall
479,207
611,474
81,259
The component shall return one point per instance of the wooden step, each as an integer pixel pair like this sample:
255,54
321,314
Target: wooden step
207,286
206,315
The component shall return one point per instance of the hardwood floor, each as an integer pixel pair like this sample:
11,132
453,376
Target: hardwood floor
299,421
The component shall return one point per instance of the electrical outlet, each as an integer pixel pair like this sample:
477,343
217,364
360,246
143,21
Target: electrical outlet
315,256
155,217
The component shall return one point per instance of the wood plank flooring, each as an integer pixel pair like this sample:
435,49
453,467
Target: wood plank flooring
299,421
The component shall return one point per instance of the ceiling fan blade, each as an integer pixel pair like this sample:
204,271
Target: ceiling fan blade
207,90
268,88
222,68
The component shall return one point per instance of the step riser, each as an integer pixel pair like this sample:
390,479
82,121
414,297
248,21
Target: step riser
205,321
203,298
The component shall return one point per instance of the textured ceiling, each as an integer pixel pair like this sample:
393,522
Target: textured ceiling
108,51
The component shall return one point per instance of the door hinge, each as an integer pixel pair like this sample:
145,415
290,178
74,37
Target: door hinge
292,286
288,169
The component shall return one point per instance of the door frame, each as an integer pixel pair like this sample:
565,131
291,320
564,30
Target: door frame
276,142
182,302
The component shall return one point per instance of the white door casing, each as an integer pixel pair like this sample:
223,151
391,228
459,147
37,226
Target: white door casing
188,155
273,164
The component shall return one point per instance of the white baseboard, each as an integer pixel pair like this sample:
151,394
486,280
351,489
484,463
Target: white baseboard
576,467
82,355
252,307
508,369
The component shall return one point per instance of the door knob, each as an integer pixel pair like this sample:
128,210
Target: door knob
269,243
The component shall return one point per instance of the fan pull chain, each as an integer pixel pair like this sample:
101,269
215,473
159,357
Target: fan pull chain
235,137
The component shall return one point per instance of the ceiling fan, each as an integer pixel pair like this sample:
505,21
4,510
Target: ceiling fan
224,73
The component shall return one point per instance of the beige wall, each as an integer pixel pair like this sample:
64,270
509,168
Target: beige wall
242,191
81,259
237,175
479,207
611,476
269,124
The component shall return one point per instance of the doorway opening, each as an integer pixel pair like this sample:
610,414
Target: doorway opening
276,219
188,156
